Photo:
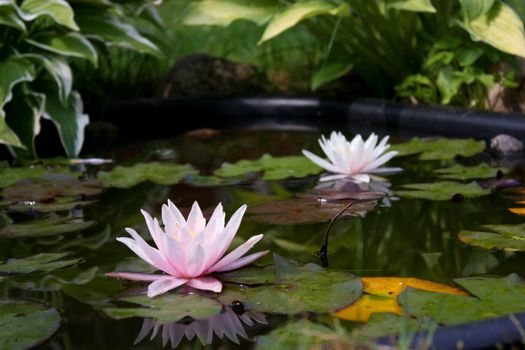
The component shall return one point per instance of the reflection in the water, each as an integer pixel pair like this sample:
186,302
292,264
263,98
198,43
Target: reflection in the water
226,324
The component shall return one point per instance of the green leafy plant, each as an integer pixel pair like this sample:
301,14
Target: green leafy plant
38,42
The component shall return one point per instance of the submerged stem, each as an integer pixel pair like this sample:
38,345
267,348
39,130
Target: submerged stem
323,252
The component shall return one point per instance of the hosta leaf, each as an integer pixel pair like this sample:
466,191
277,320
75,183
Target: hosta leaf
459,172
500,27
12,72
45,228
59,10
224,12
439,148
69,119
473,9
9,16
442,191
70,44
502,237
160,173
274,168
43,262
413,5
24,324
493,297
299,11
167,308
329,72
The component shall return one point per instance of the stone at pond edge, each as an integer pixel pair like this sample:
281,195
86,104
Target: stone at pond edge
509,238
439,148
444,190
25,324
43,262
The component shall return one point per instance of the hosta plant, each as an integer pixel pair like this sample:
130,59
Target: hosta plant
38,42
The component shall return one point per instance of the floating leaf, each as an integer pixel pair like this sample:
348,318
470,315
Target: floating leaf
25,324
274,168
442,191
389,324
250,275
459,172
494,297
304,334
381,296
63,204
307,288
213,181
45,228
305,211
439,148
167,308
160,173
43,262
510,238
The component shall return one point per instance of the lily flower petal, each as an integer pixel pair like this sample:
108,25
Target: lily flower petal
164,284
206,283
236,253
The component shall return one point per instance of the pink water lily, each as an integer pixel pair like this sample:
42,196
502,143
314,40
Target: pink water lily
188,251
356,159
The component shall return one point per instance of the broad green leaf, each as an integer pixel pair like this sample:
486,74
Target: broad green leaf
250,275
70,44
45,228
500,27
449,82
473,9
43,262
12,72
61,73
419,87
439,148
112,31
329,72
160,173
467,56
63,204
413,5
302,289
224,12
388,324
510,238
10,175
59,10
274,168
9,16
23,115
8,136
303,335
442,191
299,11
518,6
460,172
25,324
167,308
493,297
69,119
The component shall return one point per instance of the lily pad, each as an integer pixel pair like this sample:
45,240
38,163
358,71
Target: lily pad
167,308
459,172
510,238
25,324
274,168
45,228
63,204
43,262
439,148
493,297
302,289
160,173
305,211
10,175
389,324
442,191
250,275
212,181
303,335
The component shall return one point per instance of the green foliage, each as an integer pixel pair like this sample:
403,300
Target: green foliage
43,262
509,238
37,41
439,148
442,191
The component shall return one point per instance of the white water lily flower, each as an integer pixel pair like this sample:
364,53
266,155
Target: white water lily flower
356,159
188,251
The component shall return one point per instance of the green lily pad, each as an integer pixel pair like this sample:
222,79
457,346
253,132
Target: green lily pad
387,324
303,335
298,289
439,148
25,324
493,297
167,308
510,238
43,262
274,168
160,173
250,275
444,190
213,181
62,204
459,172
45,228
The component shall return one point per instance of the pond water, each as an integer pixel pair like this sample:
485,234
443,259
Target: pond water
387,232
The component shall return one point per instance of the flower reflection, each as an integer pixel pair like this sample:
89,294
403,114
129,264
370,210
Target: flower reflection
226,324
